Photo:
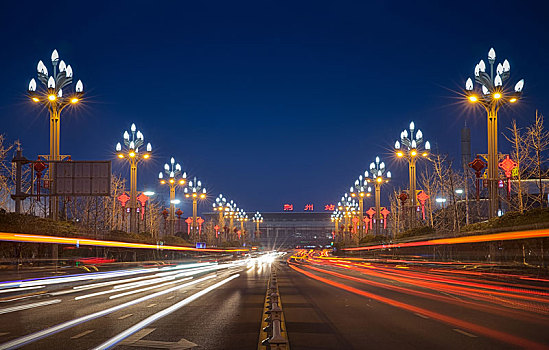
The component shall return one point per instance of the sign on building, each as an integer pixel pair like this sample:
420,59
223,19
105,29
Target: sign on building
83,178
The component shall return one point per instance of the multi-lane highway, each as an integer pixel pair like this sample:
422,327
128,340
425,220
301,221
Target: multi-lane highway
207,305
352,303
328,303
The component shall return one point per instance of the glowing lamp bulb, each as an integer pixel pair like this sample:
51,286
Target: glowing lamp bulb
52,97
473,98
497,95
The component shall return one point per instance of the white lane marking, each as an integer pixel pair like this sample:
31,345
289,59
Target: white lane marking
173,296
18,342
422,316
465,333
18,289
140,325
151,305
28,306
125,316
147,288
80,335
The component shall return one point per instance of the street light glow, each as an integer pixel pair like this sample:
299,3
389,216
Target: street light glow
473,98
52,97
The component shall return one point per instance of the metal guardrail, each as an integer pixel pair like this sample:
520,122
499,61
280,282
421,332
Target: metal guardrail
273,335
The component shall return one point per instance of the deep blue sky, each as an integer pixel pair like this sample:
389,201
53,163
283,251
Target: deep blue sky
268,102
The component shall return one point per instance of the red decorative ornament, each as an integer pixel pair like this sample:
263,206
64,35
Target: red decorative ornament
216,228
142,199
422,198
39,168
189,221
477,165
384,212
403,197
200,222
508,165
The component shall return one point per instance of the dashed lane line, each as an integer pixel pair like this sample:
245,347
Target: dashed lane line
465,333
80,335
125,316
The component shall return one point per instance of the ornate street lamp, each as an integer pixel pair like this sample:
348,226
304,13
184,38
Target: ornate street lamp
54,95
195,191
492,94
173,180
242,217
361,190
220,205
379,175
258,218
349,209
411,147
131,153
336,218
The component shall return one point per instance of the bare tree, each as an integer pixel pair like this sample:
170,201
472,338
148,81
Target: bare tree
538,139
519,153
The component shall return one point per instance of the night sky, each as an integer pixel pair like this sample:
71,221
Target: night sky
268,102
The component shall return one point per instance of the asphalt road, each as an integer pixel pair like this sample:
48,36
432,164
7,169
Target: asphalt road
179,309
340,304
328,303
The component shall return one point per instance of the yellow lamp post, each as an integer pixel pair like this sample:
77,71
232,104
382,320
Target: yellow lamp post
379,175
242,217
55,100
411,147
492,95
336,219
131,153
173,180
349,209
361,190
257,219
195,191
220,205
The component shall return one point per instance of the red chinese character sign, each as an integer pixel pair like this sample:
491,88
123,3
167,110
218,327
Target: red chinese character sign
477,165
508,165
422,198
329,207
288,207
309,207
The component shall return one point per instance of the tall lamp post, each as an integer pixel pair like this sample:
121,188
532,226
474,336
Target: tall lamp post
220,205
52,96
411,147
257,219
379,175
242,217
172,171
336,219
491,94
348,207
195,191
130,152
361,190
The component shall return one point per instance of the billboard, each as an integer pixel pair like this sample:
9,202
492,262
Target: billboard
82,178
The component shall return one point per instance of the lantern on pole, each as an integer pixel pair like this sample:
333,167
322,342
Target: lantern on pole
477,165
422,198
508,165
384,212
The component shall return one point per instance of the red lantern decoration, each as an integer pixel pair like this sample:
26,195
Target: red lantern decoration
384,212
477,165
422,198
508,165
39,168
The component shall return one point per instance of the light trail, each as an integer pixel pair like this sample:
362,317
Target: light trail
16,237
18,342
504,236
28,306
146,288
474,328
121,336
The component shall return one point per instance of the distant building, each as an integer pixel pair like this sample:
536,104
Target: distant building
291,229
